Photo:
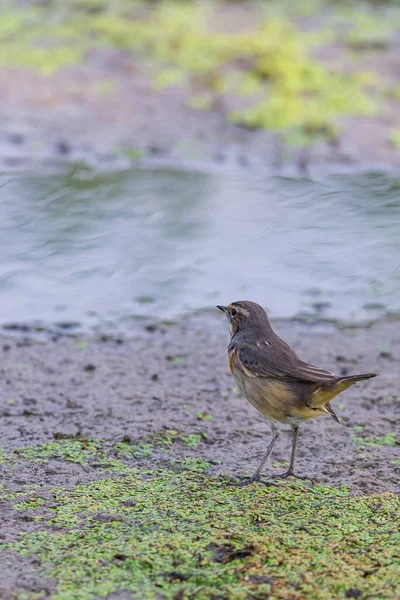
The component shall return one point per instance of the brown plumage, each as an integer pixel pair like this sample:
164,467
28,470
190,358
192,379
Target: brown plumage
272,377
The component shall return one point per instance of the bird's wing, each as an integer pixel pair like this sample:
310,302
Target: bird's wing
278,360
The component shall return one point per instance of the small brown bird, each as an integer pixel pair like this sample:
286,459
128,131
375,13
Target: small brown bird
274,380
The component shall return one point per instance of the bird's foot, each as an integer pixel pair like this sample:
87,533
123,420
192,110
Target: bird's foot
290,473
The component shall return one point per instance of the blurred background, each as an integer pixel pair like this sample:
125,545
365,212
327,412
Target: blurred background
162,157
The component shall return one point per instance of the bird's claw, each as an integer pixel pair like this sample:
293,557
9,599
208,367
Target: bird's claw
290,473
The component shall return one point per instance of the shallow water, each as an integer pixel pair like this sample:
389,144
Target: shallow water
85,247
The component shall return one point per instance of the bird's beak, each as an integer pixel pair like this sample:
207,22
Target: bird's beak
224,309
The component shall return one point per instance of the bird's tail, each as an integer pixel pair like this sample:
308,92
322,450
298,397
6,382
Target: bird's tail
328,390
354,378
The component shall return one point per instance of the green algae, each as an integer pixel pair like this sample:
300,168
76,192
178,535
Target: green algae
389,439
158,532
34,502
172,531
395,137
79,450
110,456
94,453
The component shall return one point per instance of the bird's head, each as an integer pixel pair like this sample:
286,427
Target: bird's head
245,316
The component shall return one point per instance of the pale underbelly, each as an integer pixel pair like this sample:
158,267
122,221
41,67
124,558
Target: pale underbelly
274,400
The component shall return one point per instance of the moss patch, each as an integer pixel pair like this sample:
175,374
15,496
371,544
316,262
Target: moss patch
177,533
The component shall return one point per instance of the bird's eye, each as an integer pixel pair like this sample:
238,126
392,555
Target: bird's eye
233,312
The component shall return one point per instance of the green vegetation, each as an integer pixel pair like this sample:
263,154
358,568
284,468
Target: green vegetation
264,75
358,428
80,451
175,532
110,457
395,137
365,29
193,439
203,416
162,533
134,154
390,439
175,360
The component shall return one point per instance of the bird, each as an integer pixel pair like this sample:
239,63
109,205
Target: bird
271,376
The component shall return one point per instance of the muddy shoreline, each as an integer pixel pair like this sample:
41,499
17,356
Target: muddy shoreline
168,134
68,118
106,109
175,377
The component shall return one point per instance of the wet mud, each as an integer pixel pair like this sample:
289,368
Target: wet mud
176,377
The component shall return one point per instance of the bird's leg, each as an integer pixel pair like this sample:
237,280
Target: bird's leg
275,434
290,471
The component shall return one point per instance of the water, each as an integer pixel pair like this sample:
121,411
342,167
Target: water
85,247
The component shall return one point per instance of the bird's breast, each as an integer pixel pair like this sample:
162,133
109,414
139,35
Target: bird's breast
232,353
